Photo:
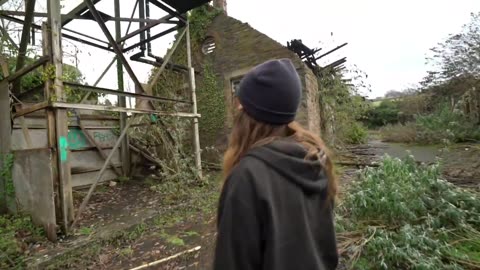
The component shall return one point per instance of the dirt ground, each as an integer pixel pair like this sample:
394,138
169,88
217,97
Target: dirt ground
127,225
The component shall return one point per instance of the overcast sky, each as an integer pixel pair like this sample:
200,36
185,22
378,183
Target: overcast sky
387,39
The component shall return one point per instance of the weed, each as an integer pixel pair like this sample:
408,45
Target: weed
15,234
172,239
403,216
190,233
123,179
85,231
126,252
6,174
401,133
442,126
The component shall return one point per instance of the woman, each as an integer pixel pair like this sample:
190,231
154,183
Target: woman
275,210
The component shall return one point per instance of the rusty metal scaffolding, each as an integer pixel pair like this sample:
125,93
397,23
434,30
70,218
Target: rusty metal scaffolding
53,31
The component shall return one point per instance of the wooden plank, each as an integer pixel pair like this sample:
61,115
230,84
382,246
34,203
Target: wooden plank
90,160
120,109
24,70
32,177
33,108
5,136
61,118
40,122
76,139
51,134
26,134
88,178
99,149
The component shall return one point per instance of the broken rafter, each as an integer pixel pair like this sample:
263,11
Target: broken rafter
336,63
331,51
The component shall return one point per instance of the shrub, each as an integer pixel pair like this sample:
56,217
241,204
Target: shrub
403,216
446,125
442,126
353,133
15,234
385,113
405,133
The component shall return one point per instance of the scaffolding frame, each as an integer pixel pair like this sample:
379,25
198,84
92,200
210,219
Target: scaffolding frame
55,103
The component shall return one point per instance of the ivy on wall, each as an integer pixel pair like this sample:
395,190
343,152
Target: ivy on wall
6,175
341,109
210,94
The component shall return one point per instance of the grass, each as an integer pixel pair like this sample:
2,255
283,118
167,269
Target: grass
403,216
399,133
16,233
200,200
443,126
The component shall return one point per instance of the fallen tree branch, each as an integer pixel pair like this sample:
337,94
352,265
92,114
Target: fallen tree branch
167,259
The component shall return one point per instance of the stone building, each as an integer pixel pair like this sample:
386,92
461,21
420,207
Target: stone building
233,48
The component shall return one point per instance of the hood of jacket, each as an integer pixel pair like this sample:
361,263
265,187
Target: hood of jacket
288,158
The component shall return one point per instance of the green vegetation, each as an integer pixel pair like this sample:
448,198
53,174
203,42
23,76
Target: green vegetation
6,175
342,108
403,216
445,125
17,232
385,113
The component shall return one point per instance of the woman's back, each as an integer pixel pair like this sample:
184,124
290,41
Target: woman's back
286,215
275,209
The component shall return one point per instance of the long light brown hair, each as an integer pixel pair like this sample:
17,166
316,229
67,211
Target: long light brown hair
248,133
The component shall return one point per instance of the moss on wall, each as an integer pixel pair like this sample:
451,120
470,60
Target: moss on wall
210,97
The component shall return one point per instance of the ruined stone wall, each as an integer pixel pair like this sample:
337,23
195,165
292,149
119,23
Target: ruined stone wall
312,101
239,47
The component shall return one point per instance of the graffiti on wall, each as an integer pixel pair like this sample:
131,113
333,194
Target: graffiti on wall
78,140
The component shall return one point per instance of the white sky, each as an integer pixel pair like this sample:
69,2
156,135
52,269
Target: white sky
387,39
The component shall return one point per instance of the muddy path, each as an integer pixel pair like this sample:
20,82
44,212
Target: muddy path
460,163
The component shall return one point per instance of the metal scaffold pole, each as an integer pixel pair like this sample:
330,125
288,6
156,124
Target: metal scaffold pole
191,79
124,149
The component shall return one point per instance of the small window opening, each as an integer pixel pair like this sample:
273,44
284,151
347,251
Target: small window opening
208,45
235,85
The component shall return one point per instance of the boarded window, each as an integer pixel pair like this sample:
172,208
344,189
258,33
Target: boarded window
208,45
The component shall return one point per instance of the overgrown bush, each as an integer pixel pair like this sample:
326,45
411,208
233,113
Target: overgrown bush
353,133
385,113
342,108
403,216
399,133
446,125
442,126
